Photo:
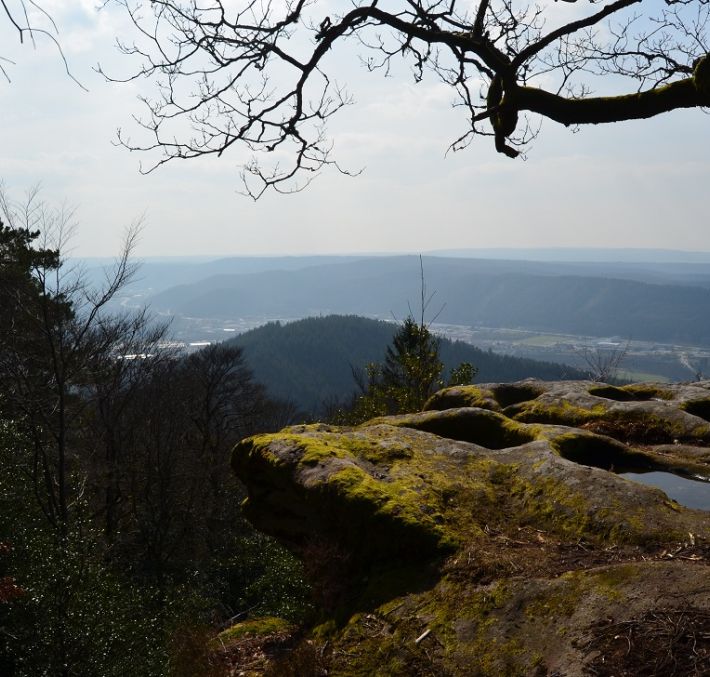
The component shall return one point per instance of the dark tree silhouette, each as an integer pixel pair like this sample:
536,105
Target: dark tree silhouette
57,342
261,75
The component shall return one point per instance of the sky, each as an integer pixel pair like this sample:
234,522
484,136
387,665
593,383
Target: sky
633,184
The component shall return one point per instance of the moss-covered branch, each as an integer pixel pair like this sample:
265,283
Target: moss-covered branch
691,92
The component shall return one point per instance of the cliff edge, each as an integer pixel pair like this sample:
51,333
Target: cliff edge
495,534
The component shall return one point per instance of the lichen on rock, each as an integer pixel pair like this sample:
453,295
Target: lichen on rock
503,495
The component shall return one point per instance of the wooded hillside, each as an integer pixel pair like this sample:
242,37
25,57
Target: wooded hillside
310,361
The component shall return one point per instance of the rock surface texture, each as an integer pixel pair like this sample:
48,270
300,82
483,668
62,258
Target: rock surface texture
491,535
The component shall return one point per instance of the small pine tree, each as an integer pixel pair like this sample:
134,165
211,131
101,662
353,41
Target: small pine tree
411,372
409,376
412,368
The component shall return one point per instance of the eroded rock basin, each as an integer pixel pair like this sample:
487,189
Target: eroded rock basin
492,535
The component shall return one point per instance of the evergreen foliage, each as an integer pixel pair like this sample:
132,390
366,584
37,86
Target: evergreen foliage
72,614
311,361
408,377
120,527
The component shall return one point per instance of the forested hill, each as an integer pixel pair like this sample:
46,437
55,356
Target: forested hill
558,298
309,361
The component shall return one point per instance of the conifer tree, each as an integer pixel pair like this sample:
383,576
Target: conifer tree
410,375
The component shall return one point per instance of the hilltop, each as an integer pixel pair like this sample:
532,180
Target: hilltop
310,361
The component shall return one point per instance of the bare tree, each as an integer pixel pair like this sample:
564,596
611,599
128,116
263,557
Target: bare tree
60,358
180,506
603,363
260,74
61,346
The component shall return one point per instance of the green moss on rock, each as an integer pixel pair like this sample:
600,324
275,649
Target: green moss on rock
557,413
648,391
256,627
342,486
468,424
462,396
436,514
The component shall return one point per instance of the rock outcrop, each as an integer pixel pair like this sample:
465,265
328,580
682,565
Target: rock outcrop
492,535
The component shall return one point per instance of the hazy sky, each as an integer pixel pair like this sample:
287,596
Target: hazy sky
636,184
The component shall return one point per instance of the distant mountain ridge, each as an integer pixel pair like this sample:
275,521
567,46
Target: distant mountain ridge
310,361
531,295
157,274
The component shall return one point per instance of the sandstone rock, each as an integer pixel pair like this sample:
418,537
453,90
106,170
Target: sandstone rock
496,527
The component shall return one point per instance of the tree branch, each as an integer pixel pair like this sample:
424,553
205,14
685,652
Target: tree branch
572,27
604,109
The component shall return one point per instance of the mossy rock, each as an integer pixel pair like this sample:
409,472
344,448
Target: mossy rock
639,413
508,394
256,627
423,485
467,424
462,396
648,391
336,486
493,396
613,393
699,408
518,626
489,540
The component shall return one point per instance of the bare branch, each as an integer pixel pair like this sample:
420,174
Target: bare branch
603,363
20,20
257,76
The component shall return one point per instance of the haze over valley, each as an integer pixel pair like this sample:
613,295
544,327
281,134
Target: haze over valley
657,310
